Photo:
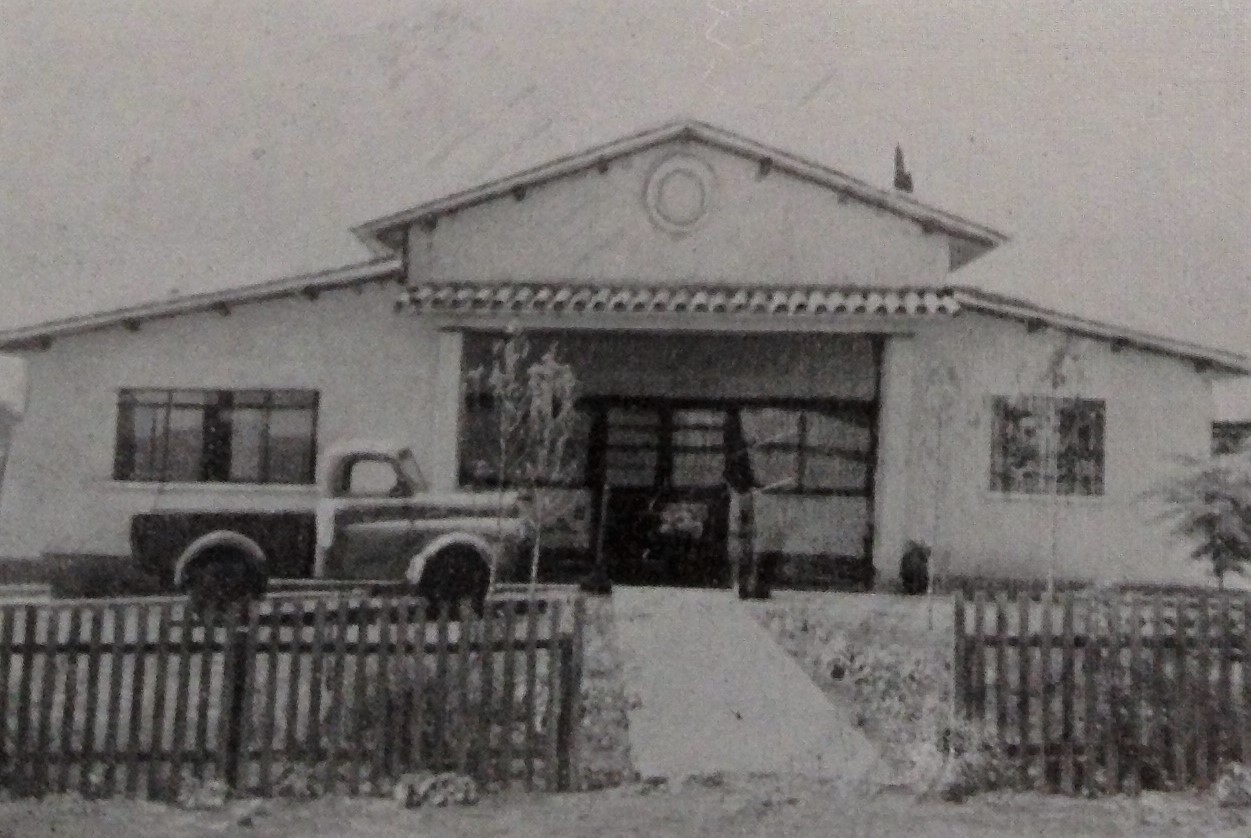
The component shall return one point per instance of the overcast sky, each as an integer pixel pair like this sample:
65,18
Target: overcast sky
183,145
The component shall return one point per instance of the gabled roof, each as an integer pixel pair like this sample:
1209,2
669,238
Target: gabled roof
310,285
384,235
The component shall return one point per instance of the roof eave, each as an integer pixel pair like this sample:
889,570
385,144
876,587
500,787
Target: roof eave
30,337
1215,361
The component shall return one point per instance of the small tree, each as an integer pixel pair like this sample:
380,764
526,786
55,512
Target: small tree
533,403
1209,502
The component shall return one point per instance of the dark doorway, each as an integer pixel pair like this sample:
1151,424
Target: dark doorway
667,509
671,468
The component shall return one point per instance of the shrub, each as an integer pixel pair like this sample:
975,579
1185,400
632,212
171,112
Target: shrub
914,568
972,760
1210,504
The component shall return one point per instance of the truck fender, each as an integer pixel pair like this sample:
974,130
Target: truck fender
484,548
222,538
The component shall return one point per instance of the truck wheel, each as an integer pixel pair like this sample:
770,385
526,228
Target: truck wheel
453,576
221,579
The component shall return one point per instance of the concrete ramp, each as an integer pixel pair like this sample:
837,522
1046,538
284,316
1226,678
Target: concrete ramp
709,691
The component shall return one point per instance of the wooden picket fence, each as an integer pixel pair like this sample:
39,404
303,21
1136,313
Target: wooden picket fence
1101,693
337,692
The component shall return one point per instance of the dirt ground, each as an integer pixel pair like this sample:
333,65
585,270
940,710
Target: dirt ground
760,806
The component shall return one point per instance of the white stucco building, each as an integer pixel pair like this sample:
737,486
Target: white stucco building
737,317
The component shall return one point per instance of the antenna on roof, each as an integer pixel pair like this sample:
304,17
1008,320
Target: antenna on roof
903,178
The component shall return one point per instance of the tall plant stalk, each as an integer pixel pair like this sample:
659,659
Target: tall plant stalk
533,403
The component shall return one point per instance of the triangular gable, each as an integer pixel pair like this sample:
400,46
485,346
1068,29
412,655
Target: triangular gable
969,239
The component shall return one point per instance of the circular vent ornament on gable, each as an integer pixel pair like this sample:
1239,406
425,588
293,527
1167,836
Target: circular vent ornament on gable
679,193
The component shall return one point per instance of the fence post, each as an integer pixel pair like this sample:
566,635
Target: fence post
1203,682
1068,688
51,644
977,658
234,678
1134,687
1092,651
7,618
1159,733
1246,681
25,685
1112,691
1001,668
1046,693
1184,724
1023,688
570,699
1225,704
958,670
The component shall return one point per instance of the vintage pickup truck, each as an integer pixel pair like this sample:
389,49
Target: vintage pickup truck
375,521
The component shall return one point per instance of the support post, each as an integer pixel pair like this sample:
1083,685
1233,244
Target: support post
446,400
890,474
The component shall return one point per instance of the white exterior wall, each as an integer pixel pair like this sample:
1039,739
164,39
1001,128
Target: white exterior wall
374,370
593,227
1156,409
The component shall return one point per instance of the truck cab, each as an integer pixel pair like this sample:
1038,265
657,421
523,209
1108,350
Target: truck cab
378,519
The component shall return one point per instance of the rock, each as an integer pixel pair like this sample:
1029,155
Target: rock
247,811
201,795
1233,787
425,788
93,783
297,782
834,658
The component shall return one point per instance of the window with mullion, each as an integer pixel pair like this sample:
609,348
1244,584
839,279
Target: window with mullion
1045,445
697,446
807,451
216,436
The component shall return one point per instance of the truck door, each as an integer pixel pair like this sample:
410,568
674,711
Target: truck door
373,521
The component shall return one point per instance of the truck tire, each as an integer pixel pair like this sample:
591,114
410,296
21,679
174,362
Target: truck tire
223,578
454,575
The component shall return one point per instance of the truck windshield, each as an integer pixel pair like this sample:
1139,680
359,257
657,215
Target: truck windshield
410,469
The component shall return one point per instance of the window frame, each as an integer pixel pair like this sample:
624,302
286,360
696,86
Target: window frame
804,449
734,447
1054,479
214,458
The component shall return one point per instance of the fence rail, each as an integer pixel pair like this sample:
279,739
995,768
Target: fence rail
336,691
1102,693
